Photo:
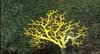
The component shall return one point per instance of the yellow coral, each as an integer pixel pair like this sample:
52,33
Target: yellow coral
55,29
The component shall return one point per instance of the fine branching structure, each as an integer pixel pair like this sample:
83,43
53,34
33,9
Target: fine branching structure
55,28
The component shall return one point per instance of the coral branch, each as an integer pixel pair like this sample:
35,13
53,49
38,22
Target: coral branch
56,29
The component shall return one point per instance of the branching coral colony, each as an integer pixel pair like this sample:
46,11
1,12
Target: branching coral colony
56,29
